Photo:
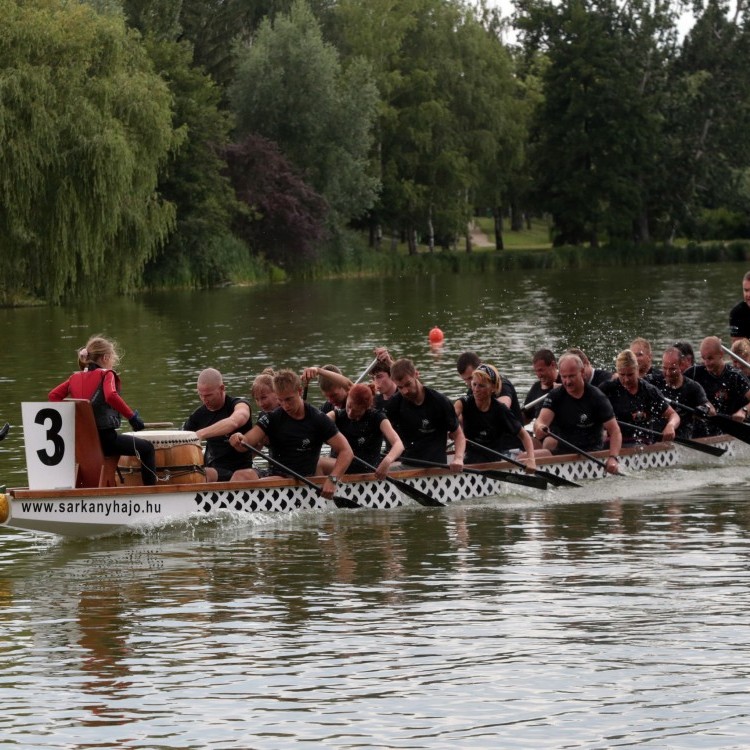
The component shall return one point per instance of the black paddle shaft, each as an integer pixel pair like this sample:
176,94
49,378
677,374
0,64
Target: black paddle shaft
341,502
548,475
421,497
712,450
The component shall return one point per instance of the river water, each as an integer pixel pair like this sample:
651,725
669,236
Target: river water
610,616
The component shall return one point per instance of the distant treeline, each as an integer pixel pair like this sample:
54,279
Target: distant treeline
151,143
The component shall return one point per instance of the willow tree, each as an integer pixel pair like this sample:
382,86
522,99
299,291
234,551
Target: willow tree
85,126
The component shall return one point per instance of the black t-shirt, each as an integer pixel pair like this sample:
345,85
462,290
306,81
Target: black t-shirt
536,391
296,443
727,391
655,376
600,376
643,408
690,394
423,428
219,453
579,420
364,436
496,428
739,321
508,389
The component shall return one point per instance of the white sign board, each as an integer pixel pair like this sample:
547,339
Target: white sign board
49,430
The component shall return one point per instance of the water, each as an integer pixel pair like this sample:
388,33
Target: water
610,616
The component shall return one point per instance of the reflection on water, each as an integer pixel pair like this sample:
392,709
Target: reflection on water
572,625
610,616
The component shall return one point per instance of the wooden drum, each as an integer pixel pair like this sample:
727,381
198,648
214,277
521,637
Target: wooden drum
179,458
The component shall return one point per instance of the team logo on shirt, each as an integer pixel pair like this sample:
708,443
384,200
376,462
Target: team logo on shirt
426,426
305,445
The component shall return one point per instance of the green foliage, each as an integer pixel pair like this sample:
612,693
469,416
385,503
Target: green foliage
708,118
292,89
194,180
86,126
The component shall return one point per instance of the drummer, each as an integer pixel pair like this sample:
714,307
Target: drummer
219,416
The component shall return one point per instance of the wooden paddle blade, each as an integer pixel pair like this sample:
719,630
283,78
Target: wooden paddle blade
728,425
556,481
421,497
712,450
525,480
345,502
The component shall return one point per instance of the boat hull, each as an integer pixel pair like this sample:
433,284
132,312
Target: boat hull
91,512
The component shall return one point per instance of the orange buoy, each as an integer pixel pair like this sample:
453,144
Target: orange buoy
436,336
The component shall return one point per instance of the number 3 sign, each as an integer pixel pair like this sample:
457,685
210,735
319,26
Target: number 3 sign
49,436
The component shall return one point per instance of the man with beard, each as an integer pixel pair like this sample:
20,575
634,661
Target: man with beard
423,418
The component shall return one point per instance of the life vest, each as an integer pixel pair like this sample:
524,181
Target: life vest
106,416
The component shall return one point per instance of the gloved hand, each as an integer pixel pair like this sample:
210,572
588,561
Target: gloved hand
136,422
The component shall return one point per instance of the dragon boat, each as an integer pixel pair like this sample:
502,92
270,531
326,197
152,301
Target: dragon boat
75,492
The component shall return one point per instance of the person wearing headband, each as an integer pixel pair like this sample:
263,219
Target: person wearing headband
490,423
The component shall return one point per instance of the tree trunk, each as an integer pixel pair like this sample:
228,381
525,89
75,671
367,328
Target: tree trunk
497,215
430,232
516,216
411,239
469,244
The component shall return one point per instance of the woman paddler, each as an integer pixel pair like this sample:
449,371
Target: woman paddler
365,429
637,402
489,422
98,383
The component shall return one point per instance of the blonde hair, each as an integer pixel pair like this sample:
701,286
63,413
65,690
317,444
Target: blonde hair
625,360
489,375
96,350
264,380
286,380
742,347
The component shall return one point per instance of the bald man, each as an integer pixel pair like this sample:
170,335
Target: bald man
218,417
727,389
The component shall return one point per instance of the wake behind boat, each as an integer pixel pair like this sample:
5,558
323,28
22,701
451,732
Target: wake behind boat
107,506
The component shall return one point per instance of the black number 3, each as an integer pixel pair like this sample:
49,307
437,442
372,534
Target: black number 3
53,436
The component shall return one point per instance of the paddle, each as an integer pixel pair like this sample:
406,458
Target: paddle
723,421
366,372
712,450
736,357
341,502
4,430
580,451
553,479
525,480
536,401
421,497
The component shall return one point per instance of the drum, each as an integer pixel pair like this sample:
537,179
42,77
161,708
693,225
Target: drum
179,458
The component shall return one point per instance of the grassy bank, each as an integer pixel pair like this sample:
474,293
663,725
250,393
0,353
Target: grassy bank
350,256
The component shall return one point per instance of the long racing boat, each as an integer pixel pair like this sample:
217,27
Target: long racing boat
94,500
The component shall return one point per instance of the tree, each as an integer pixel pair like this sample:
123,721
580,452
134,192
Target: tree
708,117
194,179
292,89
599,128
86,127
283,217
